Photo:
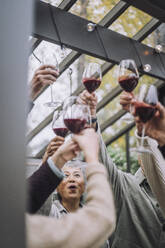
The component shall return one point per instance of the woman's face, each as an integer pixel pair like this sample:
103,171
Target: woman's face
72,186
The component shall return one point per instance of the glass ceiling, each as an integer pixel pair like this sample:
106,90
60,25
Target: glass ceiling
93,10
129,23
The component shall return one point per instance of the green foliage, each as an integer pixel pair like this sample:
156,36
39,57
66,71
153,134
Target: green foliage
118,156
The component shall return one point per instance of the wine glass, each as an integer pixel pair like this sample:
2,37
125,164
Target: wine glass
92,77
58,125
76,115
51,60
145,109
128,78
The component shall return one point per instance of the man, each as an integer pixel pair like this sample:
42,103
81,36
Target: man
154,162
89,226
140,222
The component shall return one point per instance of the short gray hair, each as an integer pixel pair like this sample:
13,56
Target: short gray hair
74,164
78,164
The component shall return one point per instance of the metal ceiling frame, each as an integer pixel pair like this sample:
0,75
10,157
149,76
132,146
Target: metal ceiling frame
74,34
65,5
117,10
147,29
105,22
154,8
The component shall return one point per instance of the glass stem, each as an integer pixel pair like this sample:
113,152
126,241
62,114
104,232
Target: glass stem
51,92
130,108
143,133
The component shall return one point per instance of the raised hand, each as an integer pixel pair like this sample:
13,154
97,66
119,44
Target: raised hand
155,128
89,99
91,148
67,151
126,99
52,147
44,75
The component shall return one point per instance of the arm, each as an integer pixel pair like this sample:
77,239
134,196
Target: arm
154,163
44,75
52,147
45,180
78,229
155,128
154,169
40,185
114,175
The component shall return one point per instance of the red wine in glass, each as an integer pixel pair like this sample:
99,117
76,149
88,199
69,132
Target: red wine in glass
144,111
145,108
75,125
92,77
58,125
91,84
128,79
128,83
61,131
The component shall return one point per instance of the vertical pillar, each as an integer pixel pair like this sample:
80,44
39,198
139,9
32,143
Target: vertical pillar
15,26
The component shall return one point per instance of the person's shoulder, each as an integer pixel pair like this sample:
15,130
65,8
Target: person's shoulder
130,179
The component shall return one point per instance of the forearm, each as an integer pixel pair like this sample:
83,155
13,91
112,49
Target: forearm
40,185
154,169
115,176
106,160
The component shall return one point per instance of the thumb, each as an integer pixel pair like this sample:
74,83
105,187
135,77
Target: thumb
161,110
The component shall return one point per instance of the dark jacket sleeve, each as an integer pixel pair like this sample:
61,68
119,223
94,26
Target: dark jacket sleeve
40,185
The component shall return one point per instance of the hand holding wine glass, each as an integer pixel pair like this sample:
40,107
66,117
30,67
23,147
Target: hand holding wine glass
76,115
145,109
128,79
89,99
155,128
126,99
51,60
90,149
92,77
43,76
128,75
55,143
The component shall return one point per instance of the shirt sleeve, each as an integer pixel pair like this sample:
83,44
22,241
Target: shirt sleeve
115,176
40,185
55,169
154,168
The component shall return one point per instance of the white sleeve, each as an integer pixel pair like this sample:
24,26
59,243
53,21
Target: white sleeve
154,168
